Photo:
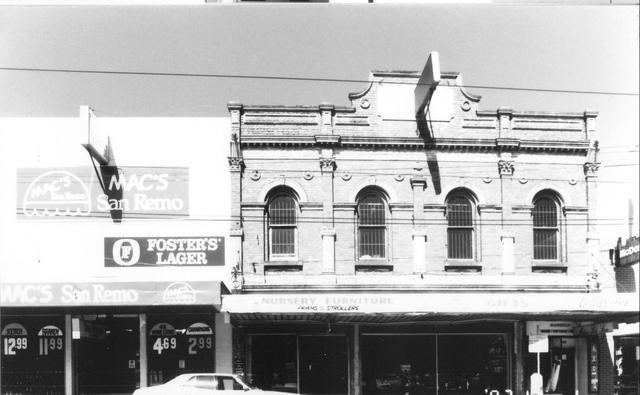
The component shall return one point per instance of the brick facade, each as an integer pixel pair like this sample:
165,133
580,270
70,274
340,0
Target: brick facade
502,159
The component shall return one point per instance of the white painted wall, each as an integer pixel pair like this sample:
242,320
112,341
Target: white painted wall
71,249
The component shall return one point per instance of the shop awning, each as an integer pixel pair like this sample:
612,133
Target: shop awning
414,305
149,293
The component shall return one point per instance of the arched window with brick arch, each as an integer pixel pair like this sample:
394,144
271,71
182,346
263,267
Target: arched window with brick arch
546,226
460,224
282,223
371,212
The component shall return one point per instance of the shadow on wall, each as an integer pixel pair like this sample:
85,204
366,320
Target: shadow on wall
425,128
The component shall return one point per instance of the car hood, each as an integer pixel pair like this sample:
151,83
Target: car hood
261,392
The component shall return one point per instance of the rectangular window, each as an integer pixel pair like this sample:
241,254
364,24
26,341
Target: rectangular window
545,244
283,241
371,241
460,229
459,241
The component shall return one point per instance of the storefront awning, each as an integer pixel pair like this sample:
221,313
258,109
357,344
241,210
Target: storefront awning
111,294
596,306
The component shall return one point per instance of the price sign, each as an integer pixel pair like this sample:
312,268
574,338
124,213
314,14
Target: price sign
14,339
50,340
199,338
163,337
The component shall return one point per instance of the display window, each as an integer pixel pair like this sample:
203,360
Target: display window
305,363
115,339
32,355
460,364
178,344
627,358
273,362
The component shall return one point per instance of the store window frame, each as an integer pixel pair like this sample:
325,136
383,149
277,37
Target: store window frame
547,232
461,217
282,210
508,342
297,336
371,215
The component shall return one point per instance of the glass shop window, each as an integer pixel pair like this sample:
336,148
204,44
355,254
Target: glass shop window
411,364
32,355
627,356
274,363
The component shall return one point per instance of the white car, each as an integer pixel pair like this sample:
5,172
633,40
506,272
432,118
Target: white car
205,383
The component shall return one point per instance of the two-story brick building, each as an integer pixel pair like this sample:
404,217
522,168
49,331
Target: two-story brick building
407,244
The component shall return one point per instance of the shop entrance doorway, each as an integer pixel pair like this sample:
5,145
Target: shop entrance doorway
323,365
562,378
107,354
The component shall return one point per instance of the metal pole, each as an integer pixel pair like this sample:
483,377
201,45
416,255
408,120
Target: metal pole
143,350
68,355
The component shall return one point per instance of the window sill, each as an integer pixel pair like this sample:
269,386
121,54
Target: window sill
373,265
276,259
282,267
548,266
462,265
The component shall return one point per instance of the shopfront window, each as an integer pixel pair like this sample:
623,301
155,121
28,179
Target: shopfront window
32,355
434,364
107,357
627,356
274,362
177,344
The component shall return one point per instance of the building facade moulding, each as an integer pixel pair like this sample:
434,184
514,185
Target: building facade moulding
236,163
506,167
327,139
388,191
327,163
489,208
565,199
575,209
591,169
469,188
418,182
299,190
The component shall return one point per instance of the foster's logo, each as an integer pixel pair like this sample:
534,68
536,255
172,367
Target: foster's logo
126,252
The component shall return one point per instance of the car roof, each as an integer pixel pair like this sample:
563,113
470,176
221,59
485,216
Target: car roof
186,376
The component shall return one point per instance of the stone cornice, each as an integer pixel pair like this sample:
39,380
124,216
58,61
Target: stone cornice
253,205
310,205
401,206
489,208
575,209
258,109
344,206
522,207
413,143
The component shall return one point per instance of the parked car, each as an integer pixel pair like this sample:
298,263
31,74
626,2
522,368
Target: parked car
205,383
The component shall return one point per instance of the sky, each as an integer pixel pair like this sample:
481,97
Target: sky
568,47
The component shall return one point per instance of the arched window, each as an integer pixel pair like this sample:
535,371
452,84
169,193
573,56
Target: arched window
545,228
459,227
282,224
372,228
